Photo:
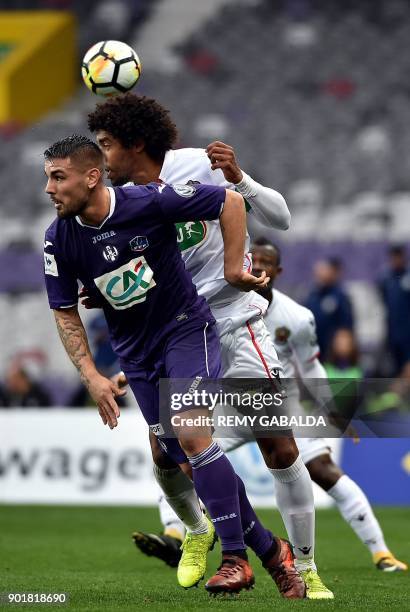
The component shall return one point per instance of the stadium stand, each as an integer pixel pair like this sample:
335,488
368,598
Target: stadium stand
313,96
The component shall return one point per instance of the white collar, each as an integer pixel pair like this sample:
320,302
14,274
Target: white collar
168,161
110,213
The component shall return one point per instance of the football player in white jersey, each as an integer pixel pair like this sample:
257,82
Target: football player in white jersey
136,137
292,327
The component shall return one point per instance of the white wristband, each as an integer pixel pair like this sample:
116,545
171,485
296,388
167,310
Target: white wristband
246,187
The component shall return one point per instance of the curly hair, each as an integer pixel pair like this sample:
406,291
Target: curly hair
132,119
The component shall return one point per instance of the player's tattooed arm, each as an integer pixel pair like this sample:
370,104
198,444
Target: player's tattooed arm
74,338
102,390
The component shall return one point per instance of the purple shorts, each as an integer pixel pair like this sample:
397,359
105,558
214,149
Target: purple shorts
191,351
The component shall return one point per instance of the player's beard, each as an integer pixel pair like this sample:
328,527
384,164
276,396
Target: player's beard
70,212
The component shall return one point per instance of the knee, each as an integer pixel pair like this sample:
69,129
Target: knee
324,472
278,453
160,458
193,446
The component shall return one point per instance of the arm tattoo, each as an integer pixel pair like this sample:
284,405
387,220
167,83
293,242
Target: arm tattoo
74,339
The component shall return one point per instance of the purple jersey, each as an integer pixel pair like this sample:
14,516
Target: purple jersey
132,259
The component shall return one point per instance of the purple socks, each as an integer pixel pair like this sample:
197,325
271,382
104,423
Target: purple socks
215,483
224,496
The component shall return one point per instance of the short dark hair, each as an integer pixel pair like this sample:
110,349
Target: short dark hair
397,249
261,241
75,146
335,262
131,119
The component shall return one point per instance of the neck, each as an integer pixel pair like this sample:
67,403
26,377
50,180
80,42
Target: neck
147,171
98,206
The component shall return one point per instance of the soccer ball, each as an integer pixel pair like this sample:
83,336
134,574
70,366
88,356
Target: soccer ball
110,67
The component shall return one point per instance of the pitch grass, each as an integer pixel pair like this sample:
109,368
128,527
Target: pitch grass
88,553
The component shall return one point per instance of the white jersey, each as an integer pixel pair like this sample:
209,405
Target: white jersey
202,247
293,332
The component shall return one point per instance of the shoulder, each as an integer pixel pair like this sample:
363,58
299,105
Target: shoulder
197,167
58,230
52,230
299,317
191,153
133,201
135,192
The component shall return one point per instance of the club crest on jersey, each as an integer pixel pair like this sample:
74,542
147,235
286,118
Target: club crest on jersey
185,191
110,253
127,285
282,334
139,243
190,234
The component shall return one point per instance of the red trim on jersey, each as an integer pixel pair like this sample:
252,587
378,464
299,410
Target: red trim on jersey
249,267
314,357
258,350
258,307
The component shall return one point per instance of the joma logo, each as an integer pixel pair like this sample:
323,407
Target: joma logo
103,236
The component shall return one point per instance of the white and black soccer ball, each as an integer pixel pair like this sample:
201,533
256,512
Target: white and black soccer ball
110,67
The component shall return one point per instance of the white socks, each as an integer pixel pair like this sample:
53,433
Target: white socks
356,510
180,494
169,520
294,497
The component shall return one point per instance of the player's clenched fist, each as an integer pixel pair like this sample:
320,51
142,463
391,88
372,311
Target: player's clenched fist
89,300
120,380
222,156
246,282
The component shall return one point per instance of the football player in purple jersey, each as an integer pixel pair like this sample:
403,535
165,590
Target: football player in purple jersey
158,324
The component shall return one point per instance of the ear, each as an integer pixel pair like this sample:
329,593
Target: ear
139,147
93,177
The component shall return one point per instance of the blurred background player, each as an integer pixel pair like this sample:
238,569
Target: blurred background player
21,385
293,331
329,302
343,357
395,291
136,137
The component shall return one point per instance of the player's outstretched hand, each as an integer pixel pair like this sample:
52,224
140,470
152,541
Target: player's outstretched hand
222,156
87,300
246,282
104,391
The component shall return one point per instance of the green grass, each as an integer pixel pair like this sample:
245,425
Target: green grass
88,553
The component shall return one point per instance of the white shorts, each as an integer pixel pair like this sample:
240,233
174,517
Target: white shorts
309,448
248,352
